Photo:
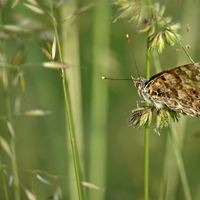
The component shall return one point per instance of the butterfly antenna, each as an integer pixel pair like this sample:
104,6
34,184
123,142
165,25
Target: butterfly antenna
115,79
129,41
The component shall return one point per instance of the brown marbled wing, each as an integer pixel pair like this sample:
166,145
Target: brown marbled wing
178,89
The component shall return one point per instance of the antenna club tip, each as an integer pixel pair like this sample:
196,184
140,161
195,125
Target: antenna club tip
128,38
103,77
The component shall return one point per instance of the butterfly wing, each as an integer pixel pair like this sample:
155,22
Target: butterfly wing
177,89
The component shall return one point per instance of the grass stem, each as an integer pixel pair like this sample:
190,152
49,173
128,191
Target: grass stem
146,139
180,165
5,189
5,72
68,108
146,164
15,172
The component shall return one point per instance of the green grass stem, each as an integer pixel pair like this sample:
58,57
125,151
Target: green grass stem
99,107
5,72
146,164
70,35
71,133
180,164
68,109
5,188
15,172
146,137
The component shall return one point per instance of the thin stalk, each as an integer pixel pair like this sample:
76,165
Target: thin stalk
5,189
146,137
71,133
71,53
99,99
8,105
12,146
146,164
180,165
15,172
148,56
1,169
68,108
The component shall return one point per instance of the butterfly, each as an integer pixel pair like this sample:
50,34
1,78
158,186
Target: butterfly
177,89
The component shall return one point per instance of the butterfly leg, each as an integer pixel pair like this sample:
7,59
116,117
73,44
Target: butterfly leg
139,101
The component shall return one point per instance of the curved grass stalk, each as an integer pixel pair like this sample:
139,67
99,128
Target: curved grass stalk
68,108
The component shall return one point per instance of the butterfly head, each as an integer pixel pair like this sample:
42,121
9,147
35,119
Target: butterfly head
139,83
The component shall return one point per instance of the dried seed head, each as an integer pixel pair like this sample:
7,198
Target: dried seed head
169,38
164,117
47,54
188,46
129,9
175,26
55,65
141,116
22,82
145,27
160,42
157,42
34,8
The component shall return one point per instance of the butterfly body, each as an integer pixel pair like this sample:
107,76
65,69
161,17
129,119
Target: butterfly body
177,89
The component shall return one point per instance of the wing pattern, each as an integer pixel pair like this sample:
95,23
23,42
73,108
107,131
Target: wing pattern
178,89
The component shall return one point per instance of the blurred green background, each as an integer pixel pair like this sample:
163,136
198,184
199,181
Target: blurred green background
110,152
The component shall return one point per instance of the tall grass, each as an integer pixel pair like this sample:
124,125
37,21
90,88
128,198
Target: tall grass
63,132
9,120
70,38
100,99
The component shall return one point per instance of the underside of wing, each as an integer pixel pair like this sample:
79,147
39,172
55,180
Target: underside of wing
177,89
